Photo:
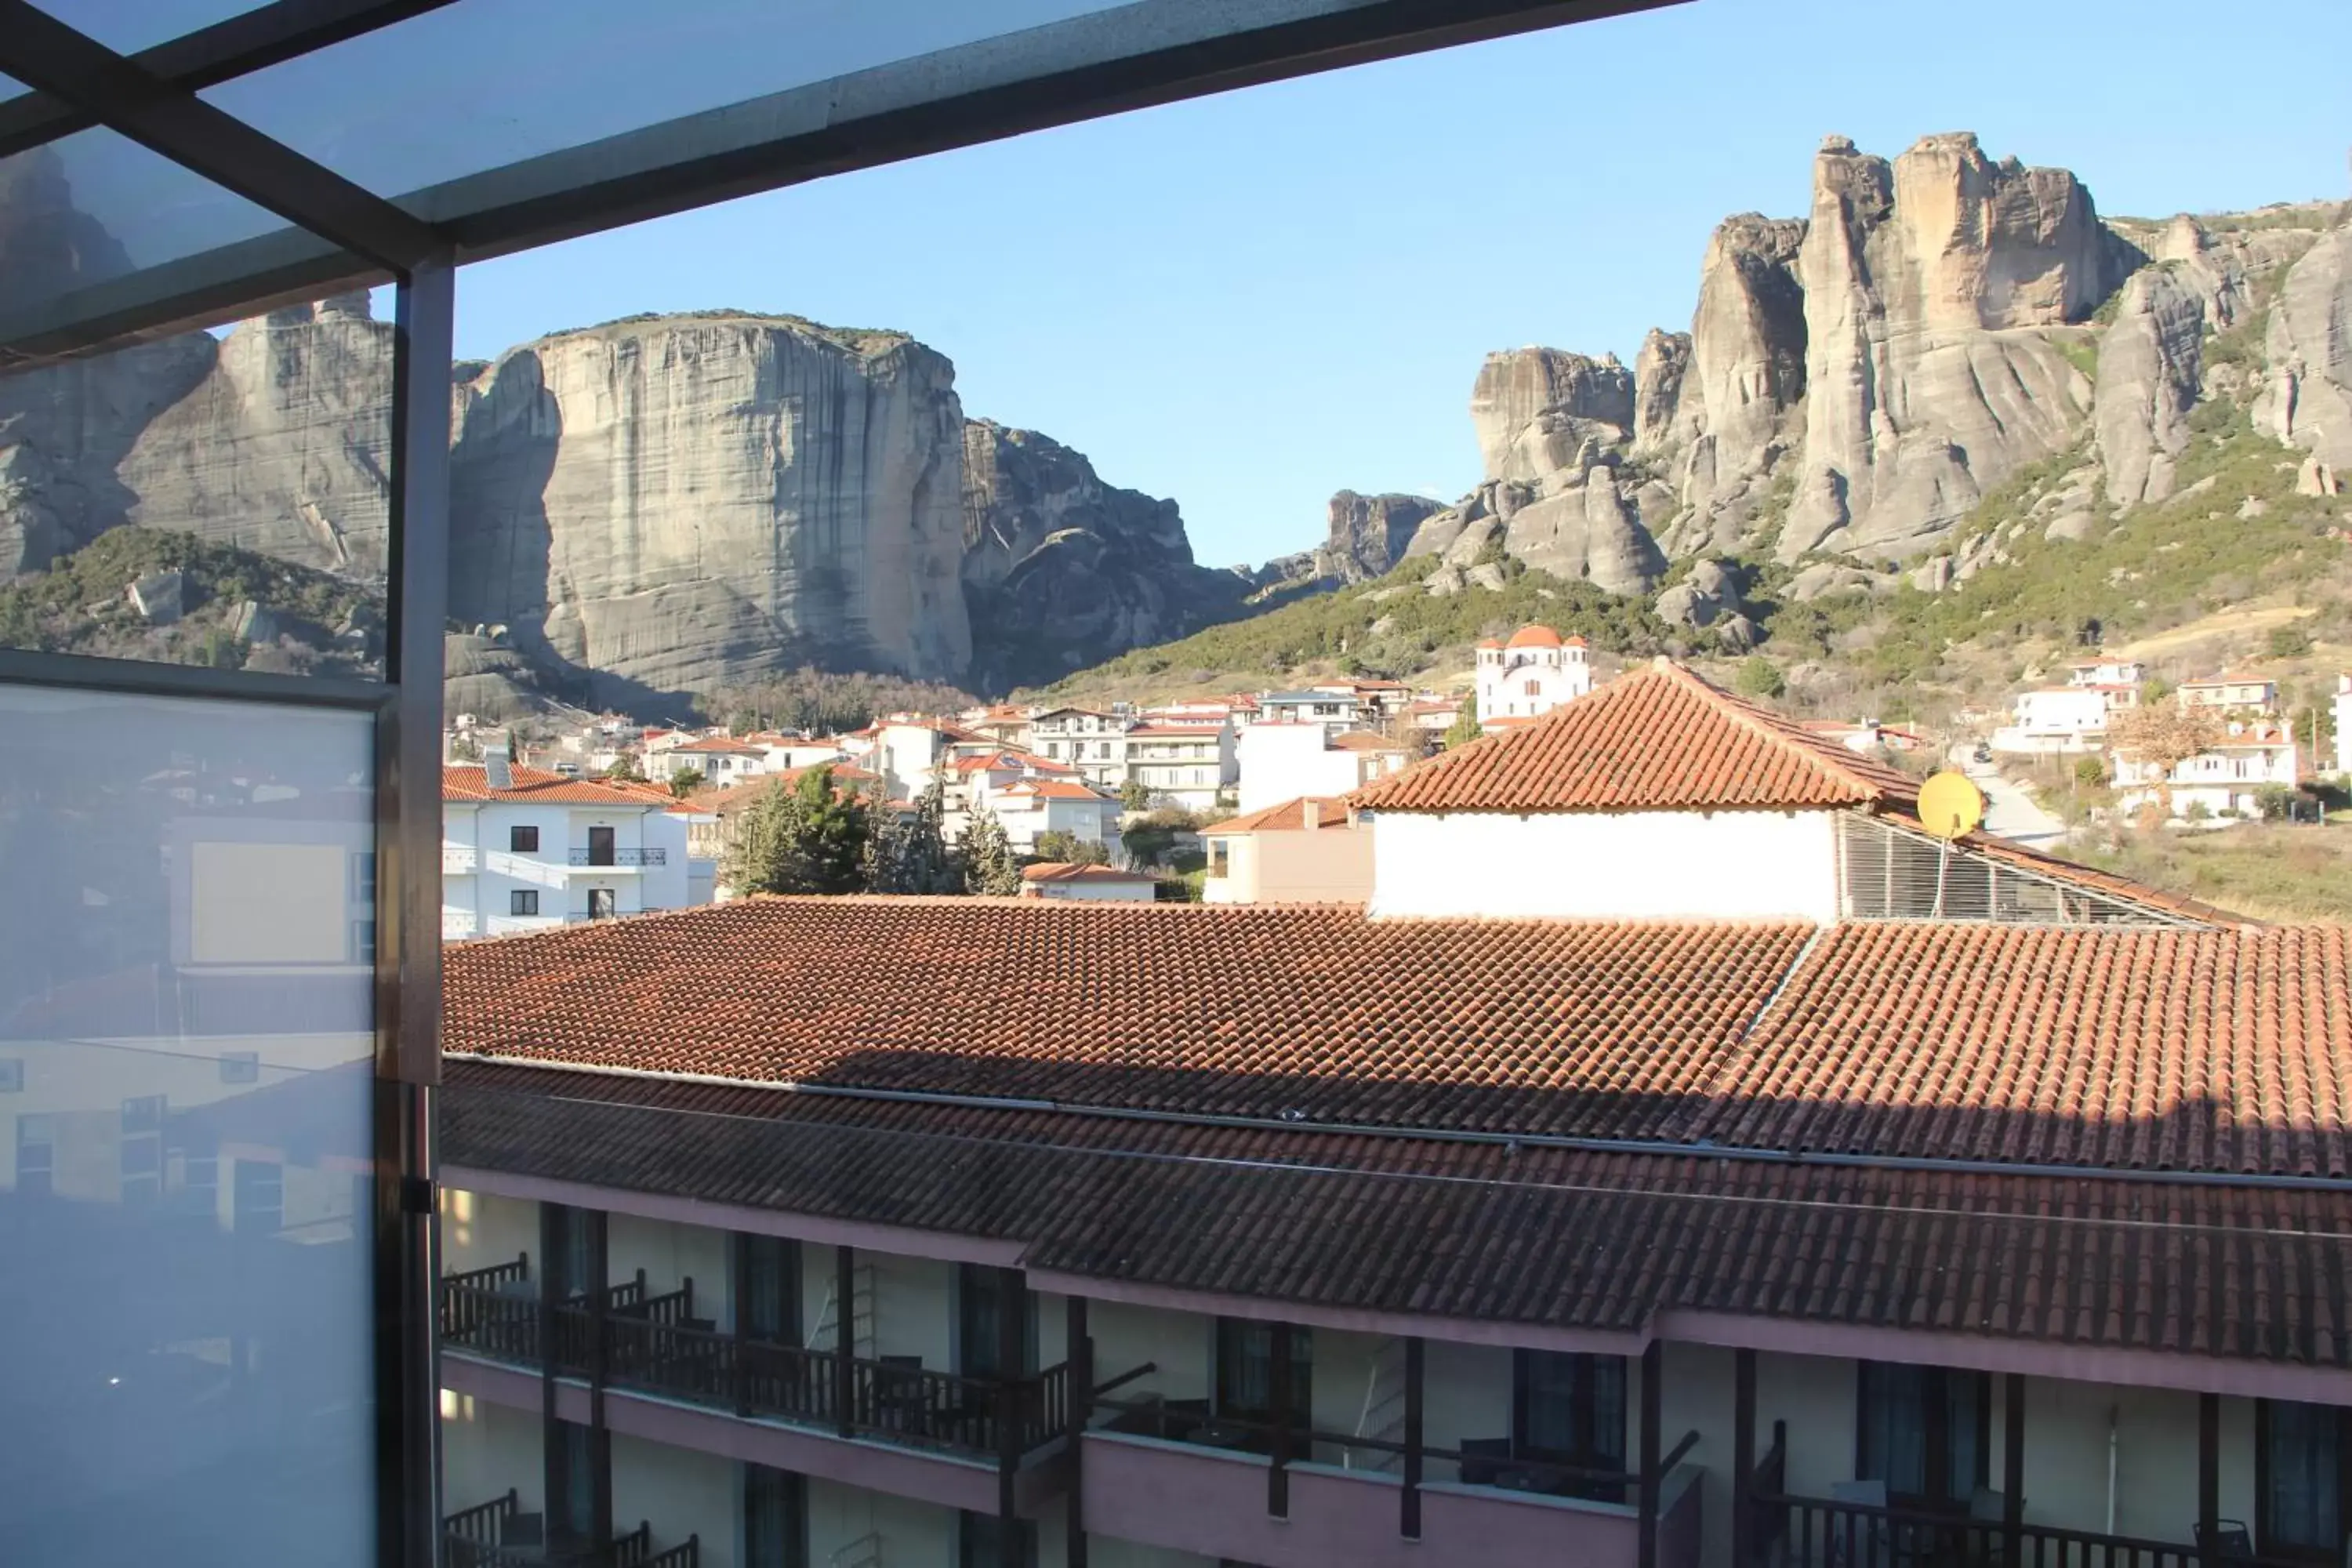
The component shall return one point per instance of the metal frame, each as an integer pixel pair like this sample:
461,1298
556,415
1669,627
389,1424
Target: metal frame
1126,58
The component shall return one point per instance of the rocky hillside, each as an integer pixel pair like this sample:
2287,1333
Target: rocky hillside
651,508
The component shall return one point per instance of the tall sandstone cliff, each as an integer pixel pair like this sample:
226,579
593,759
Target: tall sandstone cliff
1855,380
646,509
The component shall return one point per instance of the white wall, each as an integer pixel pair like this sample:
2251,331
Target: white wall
914,1534
485,1449
1815,1395
1282,762
670,1255
479,1229
680,1493
1181,1343
1732,864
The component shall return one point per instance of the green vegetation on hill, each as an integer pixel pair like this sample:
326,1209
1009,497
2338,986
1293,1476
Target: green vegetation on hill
1392,627
80,604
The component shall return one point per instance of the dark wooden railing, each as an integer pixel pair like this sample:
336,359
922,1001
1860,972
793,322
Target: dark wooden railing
655,1344
1817,1533
482,1525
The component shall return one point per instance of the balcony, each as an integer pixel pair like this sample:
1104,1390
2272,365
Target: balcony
460,859
619,859
457,924
1307,1497
499,1534
655,1344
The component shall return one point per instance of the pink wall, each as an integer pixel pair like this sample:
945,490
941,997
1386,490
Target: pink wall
1212,1503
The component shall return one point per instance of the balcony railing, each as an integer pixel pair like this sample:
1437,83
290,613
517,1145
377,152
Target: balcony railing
620,858
499,1534
1818,1532
655,1344
456,859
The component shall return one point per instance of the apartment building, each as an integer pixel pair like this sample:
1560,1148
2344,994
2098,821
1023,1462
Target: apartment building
2253,694
1189,765
1328,1235
523,849
2227,780
1306,851
1093,743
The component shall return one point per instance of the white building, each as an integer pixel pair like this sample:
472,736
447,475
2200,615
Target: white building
1335,710
1283,759
1031,807
1185,764
2106,672
1065,883
2343,716
719,759
2055,719
523,849
1530,675
2231,693
2226,781
1094,742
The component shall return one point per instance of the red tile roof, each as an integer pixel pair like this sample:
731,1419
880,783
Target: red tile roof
1053,789
1290,817
1660,739
1065,871
1560,1026
1534,637
1364,740
468,783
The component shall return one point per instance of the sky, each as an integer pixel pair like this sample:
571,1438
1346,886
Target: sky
1249,301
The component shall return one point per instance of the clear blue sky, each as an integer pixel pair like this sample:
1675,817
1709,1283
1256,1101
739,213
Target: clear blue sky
1249,301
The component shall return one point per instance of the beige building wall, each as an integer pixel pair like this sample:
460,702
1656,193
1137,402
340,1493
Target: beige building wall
485,1449
1179,1343
1328,866
479,1229
680,1493
670,1255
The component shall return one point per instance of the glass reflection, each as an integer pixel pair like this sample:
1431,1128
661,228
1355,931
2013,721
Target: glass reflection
185,1037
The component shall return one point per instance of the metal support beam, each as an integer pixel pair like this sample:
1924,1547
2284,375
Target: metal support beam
1080,1357
44,53
251,41
2208,1465
1415,1347
1743,1458
845,1340
1278,1475
1652,1418
2012,1463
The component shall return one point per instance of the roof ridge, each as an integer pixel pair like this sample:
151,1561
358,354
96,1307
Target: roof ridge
1772,727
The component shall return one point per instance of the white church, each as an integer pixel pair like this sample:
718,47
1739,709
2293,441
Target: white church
1530,675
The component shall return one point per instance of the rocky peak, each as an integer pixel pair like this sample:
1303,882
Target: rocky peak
1366,535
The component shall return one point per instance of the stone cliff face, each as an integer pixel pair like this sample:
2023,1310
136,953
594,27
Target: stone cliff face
2307,398
1366,535
643,509
665,506
1061,571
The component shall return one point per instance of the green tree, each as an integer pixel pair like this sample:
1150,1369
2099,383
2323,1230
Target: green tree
685,781
2090,772
990,868
807,838
1069,849
626,770
907,852
1464,729
1758,676
1135,795
2289,642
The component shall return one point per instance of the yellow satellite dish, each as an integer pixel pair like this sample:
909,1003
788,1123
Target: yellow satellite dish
1951,805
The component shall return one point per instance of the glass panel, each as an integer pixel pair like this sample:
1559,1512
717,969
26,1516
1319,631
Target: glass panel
1895,1428
2305,1510
775,1531
471,88
204,500
771,1290
128,29
187,1299
93,223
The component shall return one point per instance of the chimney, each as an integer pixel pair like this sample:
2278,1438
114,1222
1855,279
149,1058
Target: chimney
1313,810
496,770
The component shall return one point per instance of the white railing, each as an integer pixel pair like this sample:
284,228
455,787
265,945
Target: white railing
456,859
457,924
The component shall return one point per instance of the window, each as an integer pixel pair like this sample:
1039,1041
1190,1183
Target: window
567,1237
601,904
981,1302
1245,1371
363,878
769,1302
578,1479
140,1159
364,942
1924,1431
2301,1451
523,902
599,847
524,840
11,1076
1533,689
260,1196
37,1156
240,1067
984,1541
775,1518
1570,1408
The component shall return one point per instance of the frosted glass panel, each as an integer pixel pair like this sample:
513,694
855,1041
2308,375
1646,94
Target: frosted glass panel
186,1039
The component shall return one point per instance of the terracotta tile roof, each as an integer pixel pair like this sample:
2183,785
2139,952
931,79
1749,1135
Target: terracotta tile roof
1065,871
1364,740
2140,1048
720,744
1562,1026
1655,740
1172,731
1524,1234
1533,637
468,783
1053,789
1290,817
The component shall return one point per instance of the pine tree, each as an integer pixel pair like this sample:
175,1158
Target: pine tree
908,853
810,838
990,869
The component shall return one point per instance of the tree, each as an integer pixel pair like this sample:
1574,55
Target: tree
685,781
1135,795
907,853
1464,728
2160,737
1069,849
2090,772
1758,676
626,770
989,869
808,838
2289,642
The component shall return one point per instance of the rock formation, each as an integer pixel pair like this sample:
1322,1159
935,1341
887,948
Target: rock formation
2306,399
1366,535
2147,382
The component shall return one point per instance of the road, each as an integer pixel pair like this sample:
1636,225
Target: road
2011,812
